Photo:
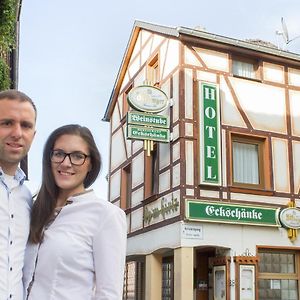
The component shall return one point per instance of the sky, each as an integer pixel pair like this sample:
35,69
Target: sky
71,51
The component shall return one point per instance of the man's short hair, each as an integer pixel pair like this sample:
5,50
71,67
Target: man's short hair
17,95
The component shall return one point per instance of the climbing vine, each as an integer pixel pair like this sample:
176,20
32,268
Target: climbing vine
8,15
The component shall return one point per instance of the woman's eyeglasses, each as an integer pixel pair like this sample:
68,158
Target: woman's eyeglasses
76,158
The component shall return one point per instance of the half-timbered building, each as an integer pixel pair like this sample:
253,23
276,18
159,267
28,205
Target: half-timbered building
211,214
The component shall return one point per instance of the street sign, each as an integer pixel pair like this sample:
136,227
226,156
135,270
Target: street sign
148,133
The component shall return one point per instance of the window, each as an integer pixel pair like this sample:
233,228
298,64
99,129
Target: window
245,68
167,279
153,71
133,281
250,162
151,173
278,276
126,187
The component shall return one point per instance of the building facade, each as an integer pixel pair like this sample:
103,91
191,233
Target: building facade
212,214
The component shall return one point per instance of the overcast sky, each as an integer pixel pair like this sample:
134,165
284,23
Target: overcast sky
71,50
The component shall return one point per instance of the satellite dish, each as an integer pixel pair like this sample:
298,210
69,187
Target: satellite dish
284,32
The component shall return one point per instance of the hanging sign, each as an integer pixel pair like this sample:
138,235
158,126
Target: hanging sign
290,217
147,98
209,119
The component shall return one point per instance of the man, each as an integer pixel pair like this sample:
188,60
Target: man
17,129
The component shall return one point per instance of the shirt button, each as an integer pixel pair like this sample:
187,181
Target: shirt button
10,242
12,216
10,268
10,296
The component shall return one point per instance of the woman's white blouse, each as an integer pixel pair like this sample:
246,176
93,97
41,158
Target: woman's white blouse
82,255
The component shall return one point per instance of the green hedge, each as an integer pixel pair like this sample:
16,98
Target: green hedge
4,75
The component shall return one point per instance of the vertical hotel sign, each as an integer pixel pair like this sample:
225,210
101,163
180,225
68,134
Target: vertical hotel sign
210,156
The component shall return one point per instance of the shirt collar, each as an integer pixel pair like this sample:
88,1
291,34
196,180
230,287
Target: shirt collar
19,175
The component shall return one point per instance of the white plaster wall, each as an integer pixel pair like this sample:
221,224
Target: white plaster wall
115,185
148,242
189,192
188,90
137,197
176,175
280,165
137,219
176,96
164,155
146,52
134,66
115,118
273,72
138,170
189,129
294,76
230,115
145,36
295,111
210,194
236,238
189,162
206,76
165,87
223,158
125,80
127,142
140,78
176,151
190,58
175,133
164,181
137,45
214,59
296,163
259,199
156,41
263,104
171,59
118,155
137,145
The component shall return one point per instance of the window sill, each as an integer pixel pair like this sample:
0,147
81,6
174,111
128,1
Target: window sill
247,190
248,78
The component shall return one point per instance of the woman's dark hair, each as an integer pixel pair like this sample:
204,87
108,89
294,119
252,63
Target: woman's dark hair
46,200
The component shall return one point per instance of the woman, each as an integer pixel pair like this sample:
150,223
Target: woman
77,242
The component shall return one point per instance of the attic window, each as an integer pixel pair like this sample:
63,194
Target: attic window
245,68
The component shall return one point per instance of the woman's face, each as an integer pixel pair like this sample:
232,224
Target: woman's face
68,176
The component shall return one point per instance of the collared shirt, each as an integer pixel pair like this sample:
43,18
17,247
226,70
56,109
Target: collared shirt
82,255
15,204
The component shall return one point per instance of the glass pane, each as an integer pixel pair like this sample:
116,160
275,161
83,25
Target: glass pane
167,283
277,289
245,163
277,263
243,69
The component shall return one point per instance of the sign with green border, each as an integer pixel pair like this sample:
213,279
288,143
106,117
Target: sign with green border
231,213
138,118
148,133
209,118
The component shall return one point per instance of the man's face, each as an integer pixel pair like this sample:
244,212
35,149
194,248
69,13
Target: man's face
17,129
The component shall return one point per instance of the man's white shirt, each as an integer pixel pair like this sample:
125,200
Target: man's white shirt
15,205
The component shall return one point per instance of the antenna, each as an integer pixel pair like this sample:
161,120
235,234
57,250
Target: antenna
285,34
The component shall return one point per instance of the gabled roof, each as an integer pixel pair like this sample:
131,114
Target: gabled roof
185,33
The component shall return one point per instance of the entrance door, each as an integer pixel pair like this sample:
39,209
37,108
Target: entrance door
203,274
